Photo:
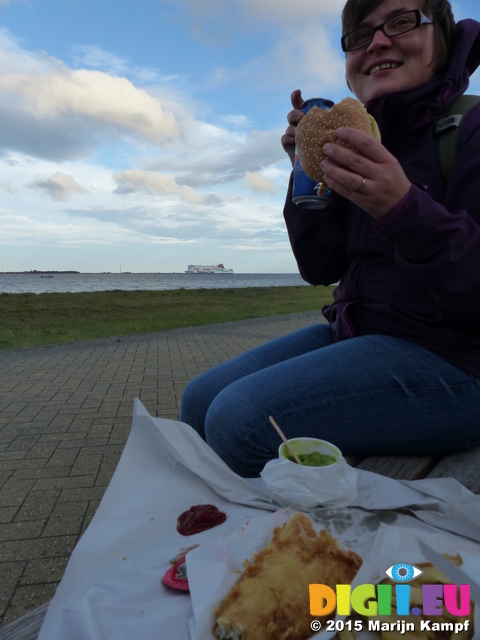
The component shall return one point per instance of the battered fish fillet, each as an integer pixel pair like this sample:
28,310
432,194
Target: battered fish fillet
271,599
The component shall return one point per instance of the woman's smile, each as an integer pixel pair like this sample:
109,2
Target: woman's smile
383,66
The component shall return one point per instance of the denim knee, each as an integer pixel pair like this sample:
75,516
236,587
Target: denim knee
233,431
194,406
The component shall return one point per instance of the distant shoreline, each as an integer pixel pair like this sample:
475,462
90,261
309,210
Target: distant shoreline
34,272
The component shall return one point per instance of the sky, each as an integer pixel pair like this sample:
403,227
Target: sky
144,135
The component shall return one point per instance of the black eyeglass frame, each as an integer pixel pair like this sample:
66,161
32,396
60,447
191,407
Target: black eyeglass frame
420,19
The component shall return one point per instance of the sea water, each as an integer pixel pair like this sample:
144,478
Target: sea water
75,282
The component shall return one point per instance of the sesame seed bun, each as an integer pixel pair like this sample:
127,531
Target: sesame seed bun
318,126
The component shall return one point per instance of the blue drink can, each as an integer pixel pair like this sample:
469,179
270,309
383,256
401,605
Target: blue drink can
305,190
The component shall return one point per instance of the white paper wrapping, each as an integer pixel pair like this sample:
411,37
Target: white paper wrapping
112,589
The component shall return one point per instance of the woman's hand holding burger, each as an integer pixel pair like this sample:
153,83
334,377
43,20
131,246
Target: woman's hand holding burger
341,148
345,170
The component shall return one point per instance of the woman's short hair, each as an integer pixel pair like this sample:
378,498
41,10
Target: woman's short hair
440,11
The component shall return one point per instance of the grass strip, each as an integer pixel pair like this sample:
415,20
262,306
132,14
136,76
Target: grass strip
30,320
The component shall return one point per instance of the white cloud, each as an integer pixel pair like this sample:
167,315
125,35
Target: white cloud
110,101
258,182
154,183
60,186
49,110
213,156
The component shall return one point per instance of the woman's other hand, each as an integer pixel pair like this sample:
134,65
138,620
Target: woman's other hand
293,118
385,181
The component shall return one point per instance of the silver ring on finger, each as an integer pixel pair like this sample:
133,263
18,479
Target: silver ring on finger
362,187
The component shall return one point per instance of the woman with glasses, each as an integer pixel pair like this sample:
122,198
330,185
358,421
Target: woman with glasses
396,368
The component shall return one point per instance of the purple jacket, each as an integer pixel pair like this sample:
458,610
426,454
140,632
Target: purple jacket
414,273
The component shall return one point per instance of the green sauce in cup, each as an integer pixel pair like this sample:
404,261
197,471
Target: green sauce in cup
313,459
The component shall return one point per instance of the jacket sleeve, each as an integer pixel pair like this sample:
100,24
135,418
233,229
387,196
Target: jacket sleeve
439,244
318,240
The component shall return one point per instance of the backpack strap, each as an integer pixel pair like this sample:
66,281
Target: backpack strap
446,132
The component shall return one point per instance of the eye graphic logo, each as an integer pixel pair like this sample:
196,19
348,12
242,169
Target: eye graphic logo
403,572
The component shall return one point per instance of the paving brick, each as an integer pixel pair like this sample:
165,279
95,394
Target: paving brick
14,492
119,434
100,431
23,443
64,456
16,454
7,513
88,494
65,519
15,407
62,421
31,409
43,570
19,463
47,414
64,483
21,530
38,505
63,437
41,450
81,425
86,463
37,548
10,573
8,434
41,472
107,469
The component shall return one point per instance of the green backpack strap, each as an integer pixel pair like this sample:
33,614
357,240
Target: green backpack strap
446,132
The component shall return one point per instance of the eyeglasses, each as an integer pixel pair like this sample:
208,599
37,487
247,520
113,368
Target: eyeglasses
401,23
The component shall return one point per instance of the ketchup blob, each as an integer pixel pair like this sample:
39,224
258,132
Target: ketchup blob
199,518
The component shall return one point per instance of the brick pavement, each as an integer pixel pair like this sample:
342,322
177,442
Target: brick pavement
65,416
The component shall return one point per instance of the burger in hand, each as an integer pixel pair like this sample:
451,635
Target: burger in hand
318,126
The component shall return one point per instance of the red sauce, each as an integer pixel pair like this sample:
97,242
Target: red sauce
199,518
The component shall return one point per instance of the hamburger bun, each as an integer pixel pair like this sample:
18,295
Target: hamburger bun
318,126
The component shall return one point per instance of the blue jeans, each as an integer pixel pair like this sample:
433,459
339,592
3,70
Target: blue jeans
369,395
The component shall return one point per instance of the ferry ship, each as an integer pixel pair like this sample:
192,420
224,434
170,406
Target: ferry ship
207,269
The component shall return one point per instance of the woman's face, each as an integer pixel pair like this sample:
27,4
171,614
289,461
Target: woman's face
407,59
